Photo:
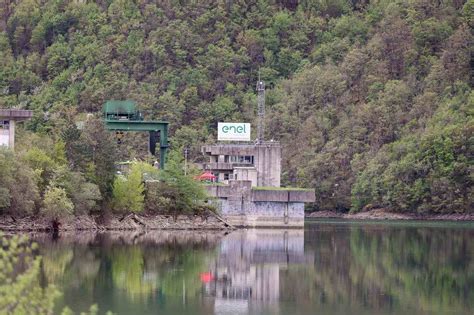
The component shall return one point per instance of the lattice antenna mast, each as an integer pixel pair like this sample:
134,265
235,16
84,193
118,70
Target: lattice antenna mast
261,110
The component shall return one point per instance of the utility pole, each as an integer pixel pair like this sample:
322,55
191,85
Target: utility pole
186,160
261,110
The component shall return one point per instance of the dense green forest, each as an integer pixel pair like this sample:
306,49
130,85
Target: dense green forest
371,100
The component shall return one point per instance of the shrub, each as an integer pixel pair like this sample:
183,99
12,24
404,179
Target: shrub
176,192
18,190
56,204
128,191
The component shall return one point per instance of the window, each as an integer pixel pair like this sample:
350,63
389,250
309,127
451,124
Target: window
226,176
242,159
4,124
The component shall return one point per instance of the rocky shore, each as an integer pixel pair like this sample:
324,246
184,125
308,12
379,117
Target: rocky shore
143,222
383,214
117,223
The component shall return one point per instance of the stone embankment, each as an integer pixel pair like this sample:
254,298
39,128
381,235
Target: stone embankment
117,222
383,214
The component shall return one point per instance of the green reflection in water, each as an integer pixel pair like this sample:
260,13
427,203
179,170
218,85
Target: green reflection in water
431,270
127,273
329,268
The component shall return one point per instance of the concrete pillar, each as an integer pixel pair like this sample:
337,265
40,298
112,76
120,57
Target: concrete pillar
12,116
268,165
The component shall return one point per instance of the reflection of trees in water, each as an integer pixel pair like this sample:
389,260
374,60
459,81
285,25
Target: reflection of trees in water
56,258
140,266
128,272
352,268
386,268
429,268
144,271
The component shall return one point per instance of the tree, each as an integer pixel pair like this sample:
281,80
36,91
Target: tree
344,80
177,192
22,290
128,190
18,190
56,204
83,194
20,287
92,151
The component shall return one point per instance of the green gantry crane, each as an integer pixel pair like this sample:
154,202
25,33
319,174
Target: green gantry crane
122,116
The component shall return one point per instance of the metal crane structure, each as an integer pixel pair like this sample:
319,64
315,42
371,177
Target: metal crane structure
260,110
121,116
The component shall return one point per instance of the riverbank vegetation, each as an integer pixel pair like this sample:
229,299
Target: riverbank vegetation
21,287
167,191
371,100
41,181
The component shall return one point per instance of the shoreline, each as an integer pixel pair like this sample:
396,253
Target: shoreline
148,222
129,222
383,214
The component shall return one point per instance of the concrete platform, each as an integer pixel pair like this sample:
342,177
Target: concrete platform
242,205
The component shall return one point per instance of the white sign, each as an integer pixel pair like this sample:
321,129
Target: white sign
233,131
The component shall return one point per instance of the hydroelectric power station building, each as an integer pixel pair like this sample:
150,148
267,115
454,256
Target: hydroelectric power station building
248,191
250,172
258,163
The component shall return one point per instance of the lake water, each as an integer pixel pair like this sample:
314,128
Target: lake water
331,267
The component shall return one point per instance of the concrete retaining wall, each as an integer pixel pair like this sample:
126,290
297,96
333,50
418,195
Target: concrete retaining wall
241,205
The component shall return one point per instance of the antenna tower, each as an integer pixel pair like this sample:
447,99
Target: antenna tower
260,110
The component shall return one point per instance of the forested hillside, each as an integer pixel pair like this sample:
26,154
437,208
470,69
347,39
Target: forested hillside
371,100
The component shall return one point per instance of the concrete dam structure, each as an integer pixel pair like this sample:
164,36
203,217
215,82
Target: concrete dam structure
248,192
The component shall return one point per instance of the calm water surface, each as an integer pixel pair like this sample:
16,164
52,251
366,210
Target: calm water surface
330,267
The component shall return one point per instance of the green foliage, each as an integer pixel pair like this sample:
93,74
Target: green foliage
22,290
92,152
176,192
427,173
83,194
346,80
33,171
56,204
128,190
18,191
20,287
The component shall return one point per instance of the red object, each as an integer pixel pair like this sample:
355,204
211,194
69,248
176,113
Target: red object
206,176
206,277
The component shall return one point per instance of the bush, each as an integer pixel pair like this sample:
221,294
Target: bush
20,286
18,190
56,204
176,192
128,191
83,194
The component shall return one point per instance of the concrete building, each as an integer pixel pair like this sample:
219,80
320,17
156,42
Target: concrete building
8,120
258,163
252,196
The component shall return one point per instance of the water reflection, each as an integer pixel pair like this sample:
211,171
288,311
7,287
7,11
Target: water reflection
246,274
327,268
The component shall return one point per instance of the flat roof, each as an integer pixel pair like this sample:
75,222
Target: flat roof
17,114
238,149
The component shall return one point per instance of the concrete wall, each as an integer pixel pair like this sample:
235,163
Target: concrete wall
246,173
242,188
268,165
241,212
241,205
